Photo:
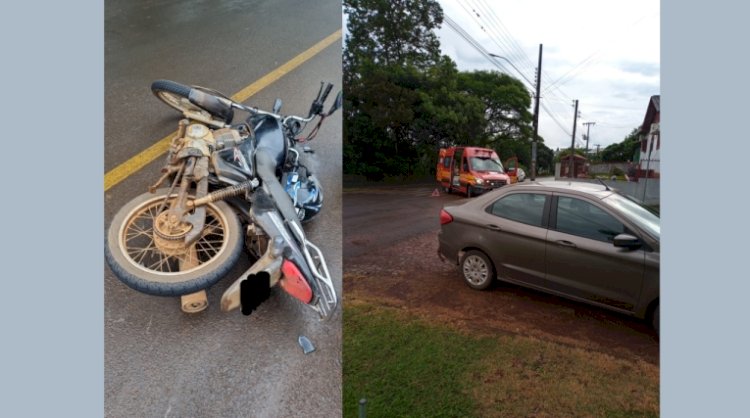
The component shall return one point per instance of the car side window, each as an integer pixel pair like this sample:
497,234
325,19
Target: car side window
579,217
527,208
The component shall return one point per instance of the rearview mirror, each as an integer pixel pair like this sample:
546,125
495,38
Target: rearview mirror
336,104
627,241
276,106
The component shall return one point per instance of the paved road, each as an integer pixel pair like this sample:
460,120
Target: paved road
159,361
379,216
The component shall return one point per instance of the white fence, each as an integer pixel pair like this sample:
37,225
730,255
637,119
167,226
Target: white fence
606,168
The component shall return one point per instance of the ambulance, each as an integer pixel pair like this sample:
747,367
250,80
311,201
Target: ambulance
470,170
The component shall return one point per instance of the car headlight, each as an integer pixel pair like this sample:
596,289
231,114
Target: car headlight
480,181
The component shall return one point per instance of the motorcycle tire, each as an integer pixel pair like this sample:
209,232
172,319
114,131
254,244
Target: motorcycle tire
176,96
136,259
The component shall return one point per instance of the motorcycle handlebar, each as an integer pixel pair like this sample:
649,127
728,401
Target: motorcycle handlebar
320,90
256,111
327,91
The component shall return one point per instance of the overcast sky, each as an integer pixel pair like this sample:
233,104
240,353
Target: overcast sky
603,53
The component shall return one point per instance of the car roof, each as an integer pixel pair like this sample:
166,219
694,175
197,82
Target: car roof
597,190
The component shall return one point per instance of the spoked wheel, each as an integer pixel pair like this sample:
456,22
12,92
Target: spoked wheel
477,269
146,249
176,96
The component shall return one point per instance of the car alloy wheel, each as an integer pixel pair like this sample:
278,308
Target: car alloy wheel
477,270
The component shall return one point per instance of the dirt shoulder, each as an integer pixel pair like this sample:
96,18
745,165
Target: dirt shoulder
410,276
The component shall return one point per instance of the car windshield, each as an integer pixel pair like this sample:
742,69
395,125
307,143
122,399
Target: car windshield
486,164
636,212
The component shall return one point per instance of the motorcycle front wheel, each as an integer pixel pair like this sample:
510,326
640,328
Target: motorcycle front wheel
147,258
176,96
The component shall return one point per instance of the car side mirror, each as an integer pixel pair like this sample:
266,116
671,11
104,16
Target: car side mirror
627,241
336,104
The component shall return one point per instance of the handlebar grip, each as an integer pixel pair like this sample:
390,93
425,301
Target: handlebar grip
320,90
327,91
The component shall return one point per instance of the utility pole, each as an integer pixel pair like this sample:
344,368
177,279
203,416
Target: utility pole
573,142
588,127
536,105
536,115
597,148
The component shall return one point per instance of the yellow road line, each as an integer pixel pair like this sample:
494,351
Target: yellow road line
124,170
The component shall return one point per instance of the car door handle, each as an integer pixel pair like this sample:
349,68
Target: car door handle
566,243
494,227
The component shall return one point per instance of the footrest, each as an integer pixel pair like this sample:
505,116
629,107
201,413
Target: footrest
194,302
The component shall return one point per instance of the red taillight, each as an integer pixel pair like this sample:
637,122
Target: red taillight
445,217
294,282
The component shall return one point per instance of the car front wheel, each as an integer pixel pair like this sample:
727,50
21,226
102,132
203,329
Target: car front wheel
477,270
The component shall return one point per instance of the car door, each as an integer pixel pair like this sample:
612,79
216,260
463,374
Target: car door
582,260
511,169
514,228
456,165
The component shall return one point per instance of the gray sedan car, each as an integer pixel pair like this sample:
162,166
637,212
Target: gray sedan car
578,240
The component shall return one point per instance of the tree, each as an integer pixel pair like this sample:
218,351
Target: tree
445,115
544,157
506,102
626,150
378,117
392,32
390,47
404,101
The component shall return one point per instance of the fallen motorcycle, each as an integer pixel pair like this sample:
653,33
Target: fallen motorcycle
231,189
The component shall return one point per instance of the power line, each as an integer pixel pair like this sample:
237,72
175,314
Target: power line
478,47
476,17
524,58
554,119
581,66
516,52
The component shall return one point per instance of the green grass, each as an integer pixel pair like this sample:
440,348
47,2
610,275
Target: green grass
407,367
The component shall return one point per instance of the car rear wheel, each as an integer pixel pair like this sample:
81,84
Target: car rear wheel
477,270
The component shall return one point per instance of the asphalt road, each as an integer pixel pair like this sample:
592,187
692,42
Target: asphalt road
158,360
376,217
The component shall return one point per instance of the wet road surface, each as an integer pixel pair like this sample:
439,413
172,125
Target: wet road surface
158,360
379,216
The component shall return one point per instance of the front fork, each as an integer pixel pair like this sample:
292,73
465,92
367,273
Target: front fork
182,215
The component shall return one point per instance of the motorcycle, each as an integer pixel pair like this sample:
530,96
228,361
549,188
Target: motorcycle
230,186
